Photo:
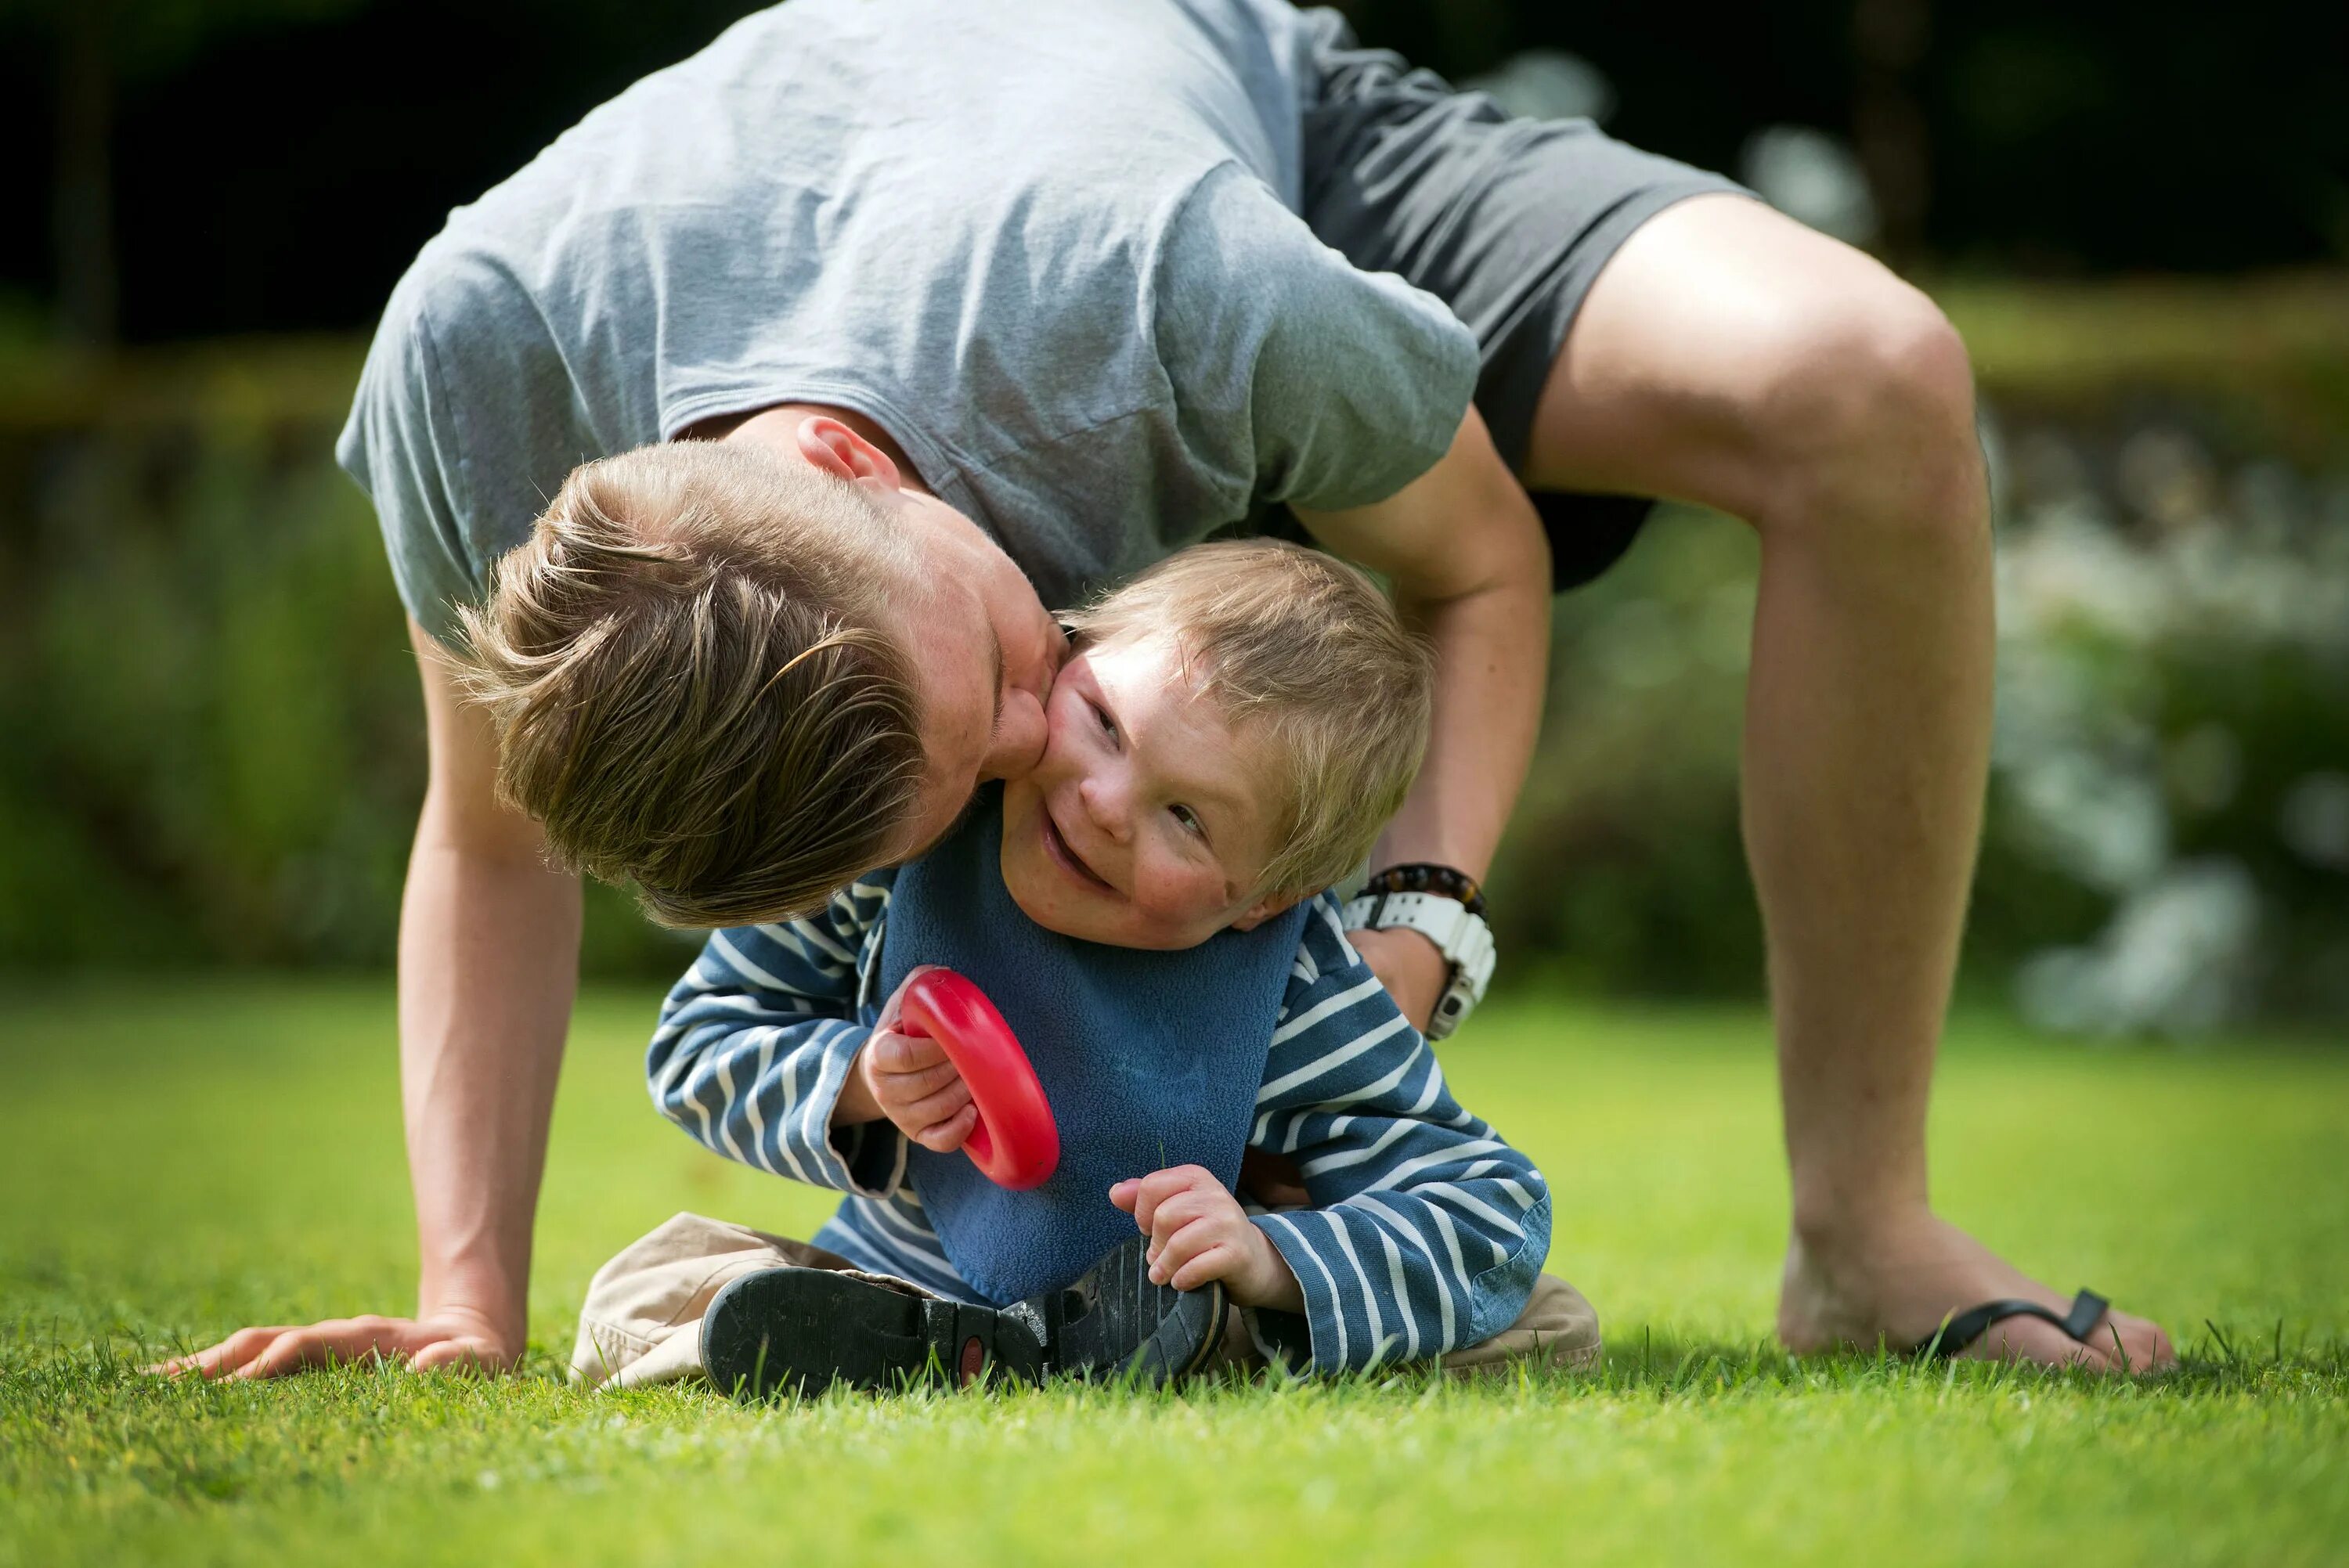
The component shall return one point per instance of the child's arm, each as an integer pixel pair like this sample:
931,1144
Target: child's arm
759,1055
1427,1231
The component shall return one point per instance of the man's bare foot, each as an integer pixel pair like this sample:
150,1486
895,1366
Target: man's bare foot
1899,1281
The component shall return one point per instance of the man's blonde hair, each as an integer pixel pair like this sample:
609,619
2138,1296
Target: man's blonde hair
692,686
1307,651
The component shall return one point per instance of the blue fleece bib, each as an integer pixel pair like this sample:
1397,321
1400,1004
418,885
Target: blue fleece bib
1150,1059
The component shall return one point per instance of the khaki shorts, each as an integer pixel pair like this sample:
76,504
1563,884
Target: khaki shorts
642,1322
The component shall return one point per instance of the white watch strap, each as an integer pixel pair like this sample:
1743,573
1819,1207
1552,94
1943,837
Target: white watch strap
1465,940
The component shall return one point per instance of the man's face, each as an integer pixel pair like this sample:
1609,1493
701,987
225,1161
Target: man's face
984,650
1148,822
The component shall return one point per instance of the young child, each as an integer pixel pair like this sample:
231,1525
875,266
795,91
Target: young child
1148,910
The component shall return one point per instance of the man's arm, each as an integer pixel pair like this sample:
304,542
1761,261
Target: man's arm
1470,568
489,960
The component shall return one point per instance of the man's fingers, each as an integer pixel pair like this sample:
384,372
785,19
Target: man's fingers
228,1355
469,1357
289,1352
341,1339
220,1360
277,1349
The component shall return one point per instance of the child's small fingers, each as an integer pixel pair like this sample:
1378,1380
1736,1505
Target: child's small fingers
909,1086
1181,1209
946,1137
1172,1220
894,1053
1178,1247
1160,1186
1216,1261
936,1111
928,1109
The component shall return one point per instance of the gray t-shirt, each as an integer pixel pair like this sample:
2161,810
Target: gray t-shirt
1051,247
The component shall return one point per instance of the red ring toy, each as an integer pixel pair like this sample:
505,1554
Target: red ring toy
1014,1143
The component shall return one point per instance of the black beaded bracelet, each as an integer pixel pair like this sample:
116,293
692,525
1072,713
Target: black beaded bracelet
1423,877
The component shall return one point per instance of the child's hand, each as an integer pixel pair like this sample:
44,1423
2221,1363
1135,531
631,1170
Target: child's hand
1198,1232
907,1080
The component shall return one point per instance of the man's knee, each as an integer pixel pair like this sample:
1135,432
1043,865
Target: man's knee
1868,420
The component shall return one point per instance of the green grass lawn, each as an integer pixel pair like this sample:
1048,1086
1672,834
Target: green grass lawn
178,1160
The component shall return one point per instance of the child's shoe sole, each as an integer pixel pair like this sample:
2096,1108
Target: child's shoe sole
800,1330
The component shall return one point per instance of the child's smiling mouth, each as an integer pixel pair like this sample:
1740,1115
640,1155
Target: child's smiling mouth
1065,855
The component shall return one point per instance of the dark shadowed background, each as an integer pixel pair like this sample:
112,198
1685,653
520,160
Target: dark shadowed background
209,748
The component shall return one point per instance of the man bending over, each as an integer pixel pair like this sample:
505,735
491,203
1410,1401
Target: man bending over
1070,285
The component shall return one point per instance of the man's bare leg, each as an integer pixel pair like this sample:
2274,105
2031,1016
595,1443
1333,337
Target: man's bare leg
1732,357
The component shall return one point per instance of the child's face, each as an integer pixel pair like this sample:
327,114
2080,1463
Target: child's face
1149,822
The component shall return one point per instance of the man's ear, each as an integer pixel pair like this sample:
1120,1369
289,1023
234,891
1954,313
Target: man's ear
1265,909
834,448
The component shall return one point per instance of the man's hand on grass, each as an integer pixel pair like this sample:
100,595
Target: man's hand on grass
906,1080
456,1342
1199,1232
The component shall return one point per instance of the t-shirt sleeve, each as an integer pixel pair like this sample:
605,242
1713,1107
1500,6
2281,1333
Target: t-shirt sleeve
1296,373
460,433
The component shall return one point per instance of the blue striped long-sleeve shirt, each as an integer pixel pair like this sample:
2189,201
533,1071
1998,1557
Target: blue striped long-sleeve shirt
1426,1230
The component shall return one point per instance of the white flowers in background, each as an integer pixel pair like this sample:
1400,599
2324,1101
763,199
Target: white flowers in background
2177,958
2085,604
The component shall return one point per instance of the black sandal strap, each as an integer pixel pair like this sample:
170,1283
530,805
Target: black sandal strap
1964,1328
2089,1310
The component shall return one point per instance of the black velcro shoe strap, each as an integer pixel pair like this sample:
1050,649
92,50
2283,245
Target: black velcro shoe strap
1114,1323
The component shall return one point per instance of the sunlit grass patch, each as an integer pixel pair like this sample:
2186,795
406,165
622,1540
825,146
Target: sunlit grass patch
180,1159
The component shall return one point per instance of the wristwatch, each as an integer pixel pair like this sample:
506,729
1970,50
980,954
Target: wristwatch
1447,908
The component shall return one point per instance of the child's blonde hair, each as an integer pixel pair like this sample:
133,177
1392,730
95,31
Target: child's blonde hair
1307,651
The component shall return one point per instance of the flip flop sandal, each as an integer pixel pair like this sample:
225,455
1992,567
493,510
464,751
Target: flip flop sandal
1963,1329
800,1330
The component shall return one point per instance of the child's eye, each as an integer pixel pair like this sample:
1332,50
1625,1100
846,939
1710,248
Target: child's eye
1190,821
1108,725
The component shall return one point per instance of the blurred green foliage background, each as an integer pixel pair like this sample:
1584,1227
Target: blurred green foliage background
213,740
